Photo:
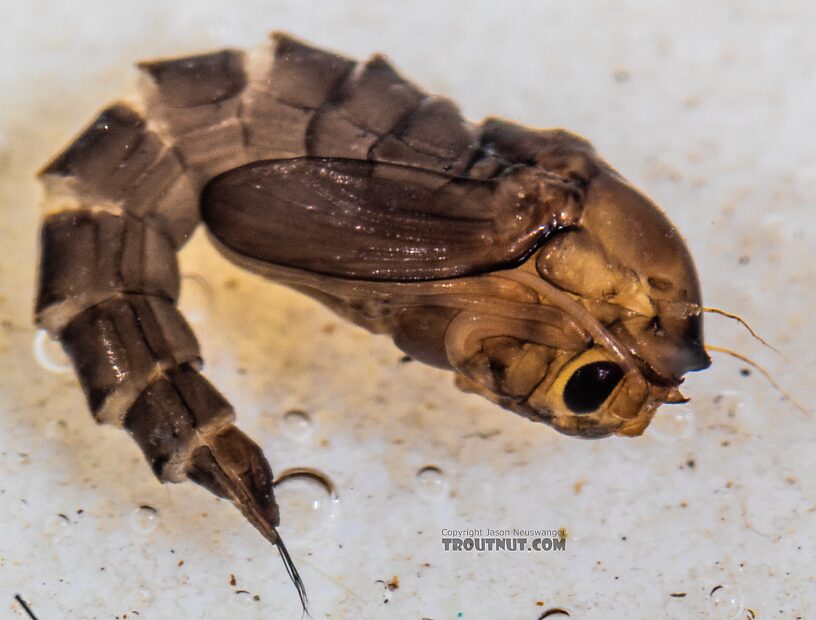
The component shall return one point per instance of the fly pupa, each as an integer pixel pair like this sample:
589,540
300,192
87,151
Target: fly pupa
516,258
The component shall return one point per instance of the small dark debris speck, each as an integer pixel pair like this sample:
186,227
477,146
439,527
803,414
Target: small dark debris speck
622,76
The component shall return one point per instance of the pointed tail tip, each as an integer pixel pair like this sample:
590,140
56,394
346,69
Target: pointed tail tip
232,466
268,529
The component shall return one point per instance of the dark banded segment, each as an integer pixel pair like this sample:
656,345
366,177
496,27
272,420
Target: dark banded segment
232,466
108,157
184,427
118,345
165,418
316,103
433,137
377,98
118,164
330,134
198,80
280,104
303,76
89,256
197,101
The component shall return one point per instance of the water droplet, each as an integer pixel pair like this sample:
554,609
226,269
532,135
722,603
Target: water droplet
57,527
308,493
726,602
672,423
431,482
144,519
49,354
297,424
197,299
145,595
242,600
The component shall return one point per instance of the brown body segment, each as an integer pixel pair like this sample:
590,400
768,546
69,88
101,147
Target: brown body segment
516,258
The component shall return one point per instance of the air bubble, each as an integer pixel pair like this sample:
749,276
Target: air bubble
145,596
57,527
431,482
726,602
560,613
197,299
49,353
672,423
307,492
297,424
676,607
242,599
145,519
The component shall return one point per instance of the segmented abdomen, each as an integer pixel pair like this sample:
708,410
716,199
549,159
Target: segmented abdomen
122,199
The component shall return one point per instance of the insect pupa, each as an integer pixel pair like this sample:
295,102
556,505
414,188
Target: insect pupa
516,258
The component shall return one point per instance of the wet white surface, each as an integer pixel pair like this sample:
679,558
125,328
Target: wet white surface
706,106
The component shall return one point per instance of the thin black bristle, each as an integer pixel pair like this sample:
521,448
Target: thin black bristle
291,569
25,606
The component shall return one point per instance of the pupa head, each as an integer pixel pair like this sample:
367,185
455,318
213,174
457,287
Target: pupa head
624,276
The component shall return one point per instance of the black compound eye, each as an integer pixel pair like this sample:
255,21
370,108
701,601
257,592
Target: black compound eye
591,385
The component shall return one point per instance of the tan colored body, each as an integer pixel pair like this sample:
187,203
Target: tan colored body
516,258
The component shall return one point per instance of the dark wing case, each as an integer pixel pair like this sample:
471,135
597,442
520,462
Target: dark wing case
363,175
366,220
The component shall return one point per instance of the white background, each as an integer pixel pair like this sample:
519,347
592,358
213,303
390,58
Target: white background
707,106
